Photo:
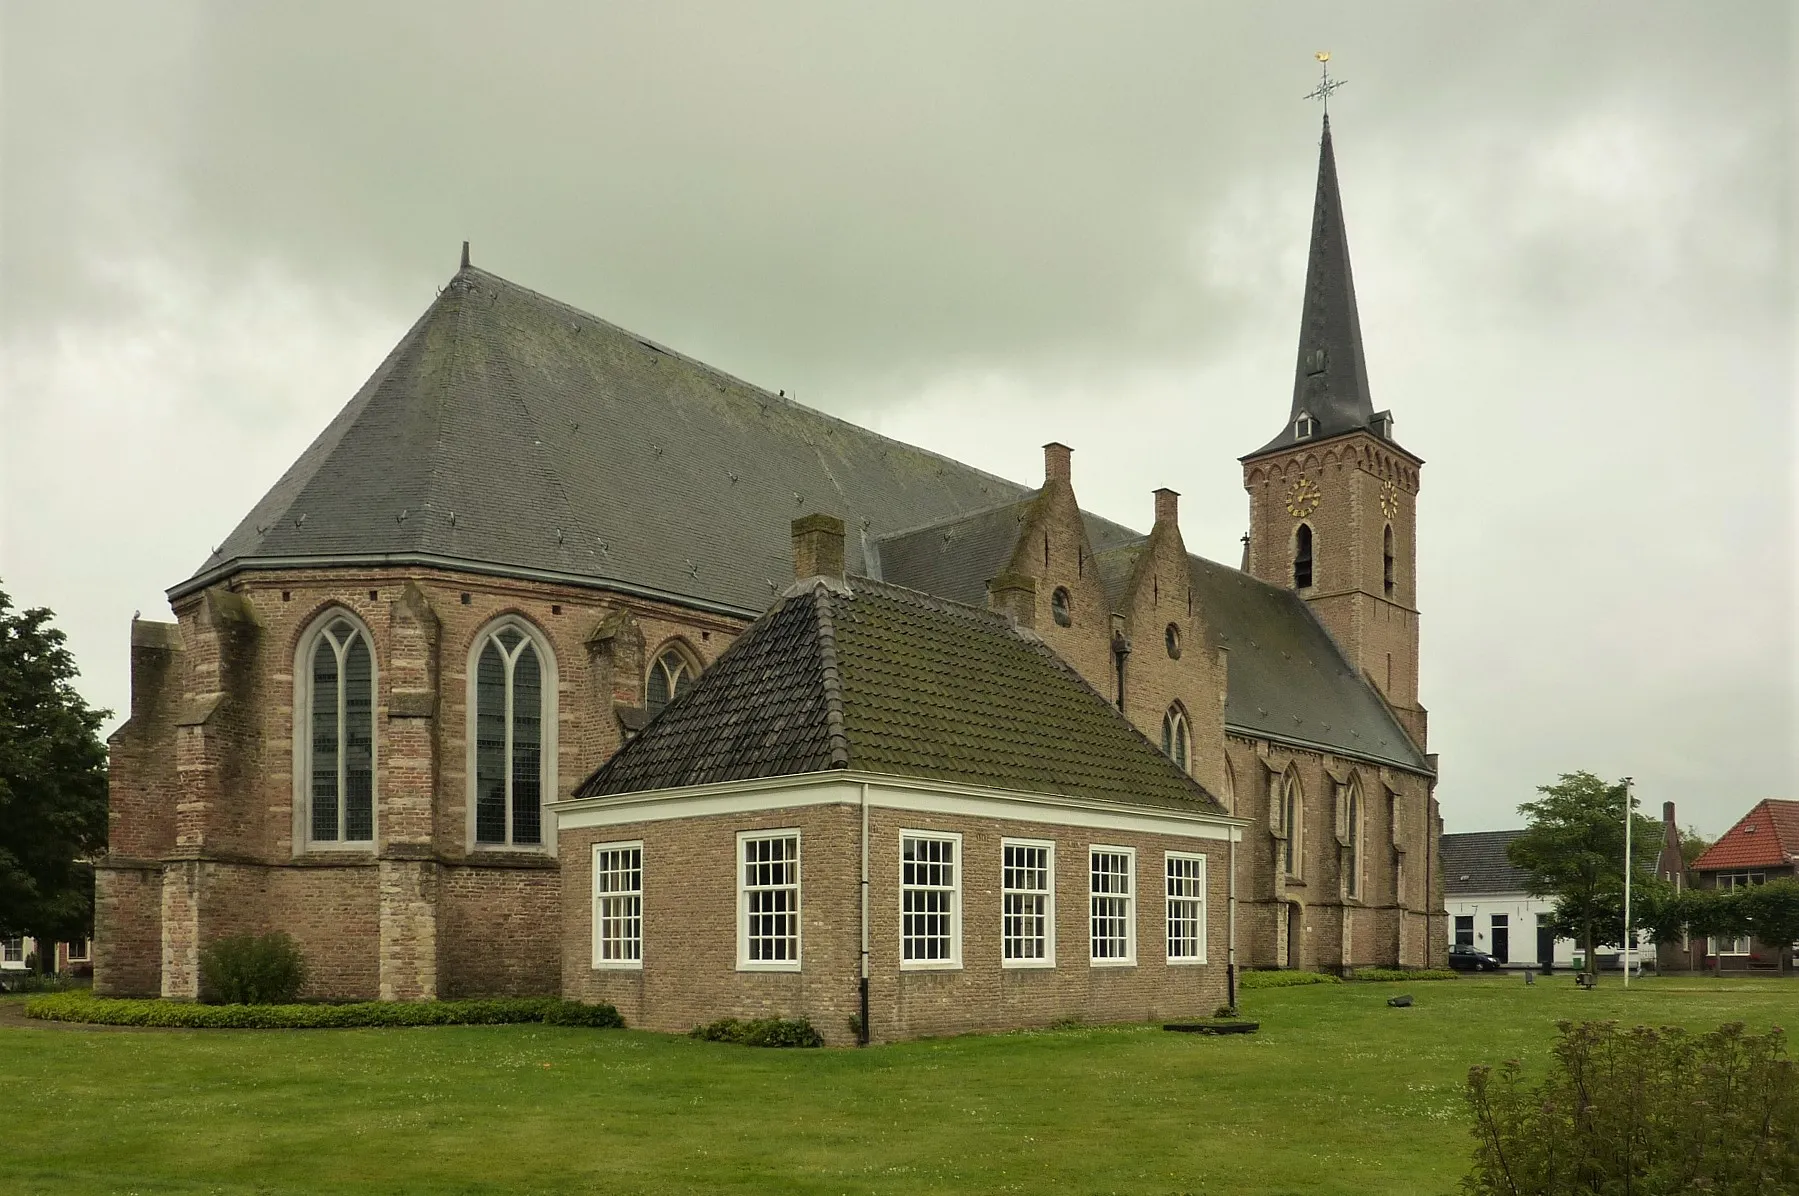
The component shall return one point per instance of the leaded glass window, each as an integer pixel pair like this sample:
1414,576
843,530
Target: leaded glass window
1174,736
511,709
670,677
340,760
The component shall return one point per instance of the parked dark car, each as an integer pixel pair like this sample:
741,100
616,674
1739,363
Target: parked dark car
1464,958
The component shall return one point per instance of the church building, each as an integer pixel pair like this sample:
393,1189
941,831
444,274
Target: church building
388,716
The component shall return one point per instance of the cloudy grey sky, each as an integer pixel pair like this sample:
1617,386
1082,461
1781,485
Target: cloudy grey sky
979,227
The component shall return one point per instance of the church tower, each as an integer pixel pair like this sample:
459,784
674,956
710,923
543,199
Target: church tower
1333,497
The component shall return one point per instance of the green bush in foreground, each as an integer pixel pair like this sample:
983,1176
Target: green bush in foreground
1283,979
1647,1112
252,969
111,1011
761,1032
1381,974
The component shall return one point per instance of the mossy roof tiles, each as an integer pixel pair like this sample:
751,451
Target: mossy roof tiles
886,680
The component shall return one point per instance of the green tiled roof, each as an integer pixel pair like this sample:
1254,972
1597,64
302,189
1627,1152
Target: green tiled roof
885,680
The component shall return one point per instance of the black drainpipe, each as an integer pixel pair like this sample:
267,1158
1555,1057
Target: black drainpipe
1121,648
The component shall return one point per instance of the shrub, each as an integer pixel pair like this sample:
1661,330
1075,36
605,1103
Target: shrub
1650,1112
108,1011
577,1013
248,969
1383,974
32,982
761,1032
1282,979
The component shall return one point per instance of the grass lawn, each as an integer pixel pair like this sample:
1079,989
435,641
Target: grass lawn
1337,1094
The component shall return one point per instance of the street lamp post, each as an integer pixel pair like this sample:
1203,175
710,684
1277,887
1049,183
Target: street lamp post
1629,937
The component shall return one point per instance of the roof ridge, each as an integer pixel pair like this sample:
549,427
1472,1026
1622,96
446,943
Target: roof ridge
901,533
727,376
833,679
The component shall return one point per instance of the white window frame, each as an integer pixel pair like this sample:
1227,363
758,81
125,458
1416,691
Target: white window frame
12,949
549,781
1048,895
87,951
744,889
302,736
1741,945
622,962
954,960
1171,900
1129,958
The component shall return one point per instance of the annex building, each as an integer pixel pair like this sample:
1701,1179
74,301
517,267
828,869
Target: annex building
389,714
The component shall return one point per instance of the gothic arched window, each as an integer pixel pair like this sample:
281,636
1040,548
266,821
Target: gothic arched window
1302,557
514,734
1292,815
1386,556
671,675
1174,736
1060,607
1352,880
335,732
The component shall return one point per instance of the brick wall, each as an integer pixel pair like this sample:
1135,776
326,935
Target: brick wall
689,974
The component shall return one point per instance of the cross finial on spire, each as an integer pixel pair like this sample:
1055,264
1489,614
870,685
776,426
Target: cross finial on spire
1326,84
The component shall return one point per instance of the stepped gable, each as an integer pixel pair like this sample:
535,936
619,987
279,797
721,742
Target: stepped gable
880,679
1766,837
1475,862
1288,679
513,433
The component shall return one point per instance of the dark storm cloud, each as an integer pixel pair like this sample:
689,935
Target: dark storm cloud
979,227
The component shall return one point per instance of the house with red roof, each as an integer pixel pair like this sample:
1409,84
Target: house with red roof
1762,846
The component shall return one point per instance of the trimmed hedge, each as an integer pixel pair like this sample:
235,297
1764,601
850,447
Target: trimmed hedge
1382,974
760,1032
113,1011
1283,979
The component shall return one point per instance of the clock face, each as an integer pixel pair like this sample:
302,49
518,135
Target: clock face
1302,498
1389,499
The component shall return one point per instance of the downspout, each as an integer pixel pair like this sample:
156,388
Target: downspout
862,1035
1230,906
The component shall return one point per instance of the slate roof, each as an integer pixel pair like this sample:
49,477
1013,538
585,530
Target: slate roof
511,430
881,679
1766,837
1475,863
1331,375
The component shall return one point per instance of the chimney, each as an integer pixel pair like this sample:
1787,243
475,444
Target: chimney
818,546
1015,596
1168,505
1668,812
1056,464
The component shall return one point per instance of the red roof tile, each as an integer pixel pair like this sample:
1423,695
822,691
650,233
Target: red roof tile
1766,837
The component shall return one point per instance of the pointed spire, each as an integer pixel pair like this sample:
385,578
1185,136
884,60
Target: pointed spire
1330,385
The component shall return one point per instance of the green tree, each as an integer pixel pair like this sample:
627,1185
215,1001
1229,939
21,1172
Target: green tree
1572,850
1771,913
1693,845
52,783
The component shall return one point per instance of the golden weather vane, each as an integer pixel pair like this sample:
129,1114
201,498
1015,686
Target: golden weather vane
1326,84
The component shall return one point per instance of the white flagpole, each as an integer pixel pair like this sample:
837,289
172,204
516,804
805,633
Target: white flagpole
1629,938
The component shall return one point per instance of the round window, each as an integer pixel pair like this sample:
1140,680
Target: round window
1058,607
1172,640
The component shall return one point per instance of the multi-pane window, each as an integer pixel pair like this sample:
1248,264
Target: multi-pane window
1464,930
1174,735
1112,905
768,901
1186,908
340,758
1741,880
1027,911
12,949
1736,946
512,708
930,906
618,905
1352,880
77,950
670,677
929,900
